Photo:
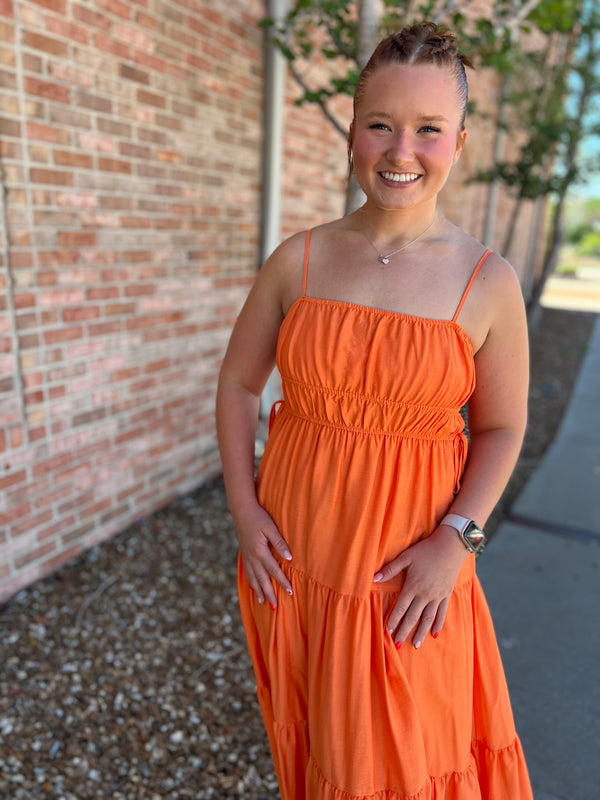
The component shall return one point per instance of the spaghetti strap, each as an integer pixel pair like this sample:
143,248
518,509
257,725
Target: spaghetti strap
305,264
469,284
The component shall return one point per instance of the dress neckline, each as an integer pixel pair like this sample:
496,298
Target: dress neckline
400,315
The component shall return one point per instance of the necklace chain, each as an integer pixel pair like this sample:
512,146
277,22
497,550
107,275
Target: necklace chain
384,258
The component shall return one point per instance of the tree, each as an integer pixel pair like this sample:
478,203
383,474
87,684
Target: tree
579,123
546,101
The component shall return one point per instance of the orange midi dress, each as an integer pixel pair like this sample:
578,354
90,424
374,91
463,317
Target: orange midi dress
363,459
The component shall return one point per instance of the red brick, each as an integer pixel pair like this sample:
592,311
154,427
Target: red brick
9,127
119,309
113,165
102,293
80,314
157,366
62,335
94,102
140,290
7,9
55,258
64,158
151,98
24,300
76,200
124,374
137,222
58,6
15,513
50,91
57,177
108,44
68,30
130,73
115,7
90,17
76,239
105,328
49,45
47,133
12,479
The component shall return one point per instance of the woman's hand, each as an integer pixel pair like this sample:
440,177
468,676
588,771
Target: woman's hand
257,534
432,566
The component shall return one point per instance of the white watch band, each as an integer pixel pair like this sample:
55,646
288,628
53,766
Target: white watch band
456,521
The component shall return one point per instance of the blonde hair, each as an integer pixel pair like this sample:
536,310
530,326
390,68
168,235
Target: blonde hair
426,43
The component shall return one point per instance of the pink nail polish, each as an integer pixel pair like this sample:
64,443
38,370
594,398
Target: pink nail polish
399,645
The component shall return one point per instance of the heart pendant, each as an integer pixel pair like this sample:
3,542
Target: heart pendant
383,259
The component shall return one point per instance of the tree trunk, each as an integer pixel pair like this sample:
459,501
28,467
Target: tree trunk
368,34
550,261
512,226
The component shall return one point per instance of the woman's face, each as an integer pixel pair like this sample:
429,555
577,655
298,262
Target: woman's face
406,135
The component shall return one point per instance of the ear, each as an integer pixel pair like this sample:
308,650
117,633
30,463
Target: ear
460,143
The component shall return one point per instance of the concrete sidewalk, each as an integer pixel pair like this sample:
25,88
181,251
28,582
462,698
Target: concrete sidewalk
541,575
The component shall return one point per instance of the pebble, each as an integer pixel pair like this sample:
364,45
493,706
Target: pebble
124,678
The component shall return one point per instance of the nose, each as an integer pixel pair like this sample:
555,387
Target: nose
401,147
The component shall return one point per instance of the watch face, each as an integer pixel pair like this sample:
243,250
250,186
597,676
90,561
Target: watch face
474,536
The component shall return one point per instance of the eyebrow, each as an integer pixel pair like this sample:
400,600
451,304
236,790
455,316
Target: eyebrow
422,118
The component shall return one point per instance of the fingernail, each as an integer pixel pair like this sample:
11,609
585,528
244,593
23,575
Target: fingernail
435,635
287,555
260,601
289,591
417,644
399,644
272,606
377,577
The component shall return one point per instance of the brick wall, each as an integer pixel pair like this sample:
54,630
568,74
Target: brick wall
131,135
130,146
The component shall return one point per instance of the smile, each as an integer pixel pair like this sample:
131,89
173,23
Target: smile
400,177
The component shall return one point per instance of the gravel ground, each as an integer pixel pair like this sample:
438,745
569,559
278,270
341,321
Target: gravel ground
125,675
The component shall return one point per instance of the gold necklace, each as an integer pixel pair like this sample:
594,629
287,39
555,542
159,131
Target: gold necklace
384,258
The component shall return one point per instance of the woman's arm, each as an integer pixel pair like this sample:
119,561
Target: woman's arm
248,362
497,420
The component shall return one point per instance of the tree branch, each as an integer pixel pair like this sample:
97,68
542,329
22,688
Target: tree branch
517,17
332,119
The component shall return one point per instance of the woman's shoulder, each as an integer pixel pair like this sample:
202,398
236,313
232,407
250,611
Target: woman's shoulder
288,257
469,251
496,292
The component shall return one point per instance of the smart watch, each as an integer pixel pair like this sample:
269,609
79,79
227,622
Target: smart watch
473,538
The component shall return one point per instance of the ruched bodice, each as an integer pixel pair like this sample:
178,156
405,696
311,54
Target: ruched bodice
375,371
363,459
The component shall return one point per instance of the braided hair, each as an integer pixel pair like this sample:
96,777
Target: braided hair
425,43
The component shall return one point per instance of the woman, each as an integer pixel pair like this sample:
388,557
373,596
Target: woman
377,668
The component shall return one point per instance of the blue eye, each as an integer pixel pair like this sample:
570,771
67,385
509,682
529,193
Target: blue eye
430,129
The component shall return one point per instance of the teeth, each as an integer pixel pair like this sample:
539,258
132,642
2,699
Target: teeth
400,177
